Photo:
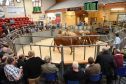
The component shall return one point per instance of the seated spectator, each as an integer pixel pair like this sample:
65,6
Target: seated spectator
21,60
3,78
92,67
74,74
7,52
21,64
12,73
48,67
118,58
33,68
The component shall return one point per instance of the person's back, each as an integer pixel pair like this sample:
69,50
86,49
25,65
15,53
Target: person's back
93,68
74,74
48,67
106,61
118,58
107,65
33,67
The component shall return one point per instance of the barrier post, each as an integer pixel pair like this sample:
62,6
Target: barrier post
50,52
30,47
95,53
84,52
62,61
40,51
98,50
73,51
51,31
22,49
14,49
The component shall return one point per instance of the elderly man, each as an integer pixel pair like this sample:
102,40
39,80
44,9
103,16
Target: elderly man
33,68
74,74
48,67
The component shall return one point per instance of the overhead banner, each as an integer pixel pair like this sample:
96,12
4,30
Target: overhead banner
15,11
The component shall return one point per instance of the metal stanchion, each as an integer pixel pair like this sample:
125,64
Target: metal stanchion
14,49
22,49
62,61
40,51
98,50
95,53
51,31
84,52
30,47
73,51
50,52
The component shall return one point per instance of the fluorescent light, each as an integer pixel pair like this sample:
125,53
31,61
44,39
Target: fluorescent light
113,9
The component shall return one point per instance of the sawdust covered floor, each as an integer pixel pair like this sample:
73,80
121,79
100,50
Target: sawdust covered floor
56,56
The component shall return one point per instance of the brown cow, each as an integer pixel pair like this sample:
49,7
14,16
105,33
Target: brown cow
87,39
66,41
66,38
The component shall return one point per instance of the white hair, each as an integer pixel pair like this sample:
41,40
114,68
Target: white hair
75,65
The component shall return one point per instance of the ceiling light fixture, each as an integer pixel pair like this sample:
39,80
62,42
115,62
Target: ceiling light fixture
114,9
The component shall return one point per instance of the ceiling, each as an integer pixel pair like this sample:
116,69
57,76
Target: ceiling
78,3
102,1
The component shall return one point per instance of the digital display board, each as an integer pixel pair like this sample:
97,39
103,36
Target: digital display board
91,6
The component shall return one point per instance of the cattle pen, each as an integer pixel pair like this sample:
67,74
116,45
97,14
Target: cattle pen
42,43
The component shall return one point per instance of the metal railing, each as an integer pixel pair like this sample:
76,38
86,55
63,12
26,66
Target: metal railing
96,51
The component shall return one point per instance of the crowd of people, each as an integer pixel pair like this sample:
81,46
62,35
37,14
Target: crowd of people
30,69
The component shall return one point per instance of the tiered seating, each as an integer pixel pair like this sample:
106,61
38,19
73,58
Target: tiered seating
18,22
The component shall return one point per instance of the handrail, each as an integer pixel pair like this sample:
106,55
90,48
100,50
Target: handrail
63,46
58,36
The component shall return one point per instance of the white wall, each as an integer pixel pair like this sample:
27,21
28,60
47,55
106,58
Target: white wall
29,8
45,5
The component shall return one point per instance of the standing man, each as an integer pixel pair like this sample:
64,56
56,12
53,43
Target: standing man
107,64
117,41
32,68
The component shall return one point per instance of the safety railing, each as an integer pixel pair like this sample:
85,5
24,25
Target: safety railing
97,49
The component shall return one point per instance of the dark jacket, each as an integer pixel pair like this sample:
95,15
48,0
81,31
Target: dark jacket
33,67
107,63
74,76
2,74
